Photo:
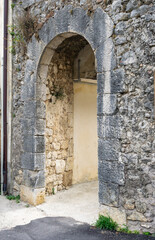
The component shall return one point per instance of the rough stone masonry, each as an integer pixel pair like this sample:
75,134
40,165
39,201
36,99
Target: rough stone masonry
121,34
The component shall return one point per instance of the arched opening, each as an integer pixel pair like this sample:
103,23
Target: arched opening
71,115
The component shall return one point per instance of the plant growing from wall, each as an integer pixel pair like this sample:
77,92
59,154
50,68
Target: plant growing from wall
57,92
27,25
16,38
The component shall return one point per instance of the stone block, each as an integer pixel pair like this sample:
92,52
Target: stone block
34,179
40,92
62,19
40,125
47,56
109,126
100,28
108,193
106,104
33,126
39,146
141,207
40,109
58,40
48,31
35,49
28,143
42,74
67,178
119,40
117,81
32,196
79,20
111,82
34,144
120,28
117,214
128,58
28,88
105,57
28,126
60,166
111,172
29,109
33,161
137,216
108,149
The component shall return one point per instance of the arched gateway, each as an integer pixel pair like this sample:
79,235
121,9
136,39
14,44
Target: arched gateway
70,25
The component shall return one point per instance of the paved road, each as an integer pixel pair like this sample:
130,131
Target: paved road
61,228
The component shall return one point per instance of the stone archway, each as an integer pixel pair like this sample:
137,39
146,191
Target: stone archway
97,30
71,115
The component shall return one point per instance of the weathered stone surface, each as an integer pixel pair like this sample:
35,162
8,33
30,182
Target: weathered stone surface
118,215
48,31
120,28
109,126
130,204
35,49
131,5
128,58
33,126
105,56
79,20
60,166
99,29
47,56
107,104
28,89
108,193
136,216
62,19
111,172
67,178
34,179
32,196
34,144
111,82
28,3
108,149
141,207
33,161
120,40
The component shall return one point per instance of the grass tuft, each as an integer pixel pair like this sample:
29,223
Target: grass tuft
106,223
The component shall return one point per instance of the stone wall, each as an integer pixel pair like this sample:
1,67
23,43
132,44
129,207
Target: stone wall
59,124
126,124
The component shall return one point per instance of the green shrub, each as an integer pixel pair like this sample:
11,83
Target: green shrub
106,223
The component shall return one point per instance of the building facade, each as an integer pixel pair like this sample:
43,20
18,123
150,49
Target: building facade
83,103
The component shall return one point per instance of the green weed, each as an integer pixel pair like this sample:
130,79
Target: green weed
106,223
147,233
11,197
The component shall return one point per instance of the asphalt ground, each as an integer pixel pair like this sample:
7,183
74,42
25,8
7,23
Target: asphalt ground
64,228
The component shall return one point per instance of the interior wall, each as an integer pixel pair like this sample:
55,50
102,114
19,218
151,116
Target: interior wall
59,124
85,132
